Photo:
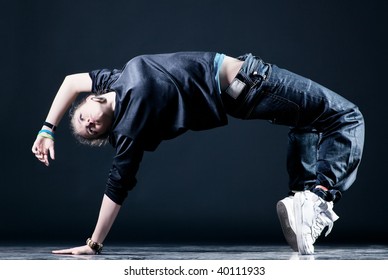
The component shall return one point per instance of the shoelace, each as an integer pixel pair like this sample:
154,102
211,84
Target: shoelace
324,217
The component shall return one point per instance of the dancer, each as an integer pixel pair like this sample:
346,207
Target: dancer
159,97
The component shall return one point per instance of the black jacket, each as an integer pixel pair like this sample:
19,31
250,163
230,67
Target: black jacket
158,97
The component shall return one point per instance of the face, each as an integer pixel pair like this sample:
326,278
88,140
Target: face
91,119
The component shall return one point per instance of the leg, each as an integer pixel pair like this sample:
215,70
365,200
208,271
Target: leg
327,155
336,127
285,98
302,157
301,166
325,126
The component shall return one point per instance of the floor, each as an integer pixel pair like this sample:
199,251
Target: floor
196,252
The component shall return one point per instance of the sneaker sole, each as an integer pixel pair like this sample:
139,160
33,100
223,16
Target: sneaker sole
288,232
303,247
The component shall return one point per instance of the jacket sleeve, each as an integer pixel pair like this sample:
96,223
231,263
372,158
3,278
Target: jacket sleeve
122,175
102,79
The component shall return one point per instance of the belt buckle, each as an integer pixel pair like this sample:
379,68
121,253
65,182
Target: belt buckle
235,88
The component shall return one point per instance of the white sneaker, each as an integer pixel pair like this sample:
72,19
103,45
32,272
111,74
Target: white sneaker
285,210
312,216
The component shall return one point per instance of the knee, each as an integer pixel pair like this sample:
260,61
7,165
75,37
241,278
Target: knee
355,115
353,119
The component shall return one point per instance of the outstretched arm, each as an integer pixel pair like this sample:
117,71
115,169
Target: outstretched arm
71,87
108,214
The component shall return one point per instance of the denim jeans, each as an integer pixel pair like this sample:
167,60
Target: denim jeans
326,134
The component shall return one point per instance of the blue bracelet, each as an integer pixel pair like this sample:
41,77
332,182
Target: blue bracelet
46,131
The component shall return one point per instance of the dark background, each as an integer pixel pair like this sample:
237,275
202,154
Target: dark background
213,186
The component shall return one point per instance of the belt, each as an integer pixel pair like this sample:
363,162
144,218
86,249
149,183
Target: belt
241,83
235,88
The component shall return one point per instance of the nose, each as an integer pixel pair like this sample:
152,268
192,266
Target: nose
89,120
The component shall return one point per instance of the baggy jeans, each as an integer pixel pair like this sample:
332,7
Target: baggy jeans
326,136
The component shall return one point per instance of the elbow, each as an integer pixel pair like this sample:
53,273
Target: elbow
78,82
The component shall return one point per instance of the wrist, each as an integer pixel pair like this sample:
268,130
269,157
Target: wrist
47,128
49,125
45,133
95,246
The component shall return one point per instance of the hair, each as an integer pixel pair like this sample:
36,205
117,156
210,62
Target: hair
91,140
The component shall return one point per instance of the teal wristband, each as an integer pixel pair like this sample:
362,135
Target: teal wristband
46,131
46,134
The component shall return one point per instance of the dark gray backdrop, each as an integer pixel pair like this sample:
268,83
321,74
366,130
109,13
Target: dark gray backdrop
213,186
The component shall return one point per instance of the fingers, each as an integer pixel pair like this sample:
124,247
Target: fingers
64,251
71,251
42,157
52,152
82,250
41,148
45,159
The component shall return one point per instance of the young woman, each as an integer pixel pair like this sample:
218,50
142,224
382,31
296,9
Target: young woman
158,97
